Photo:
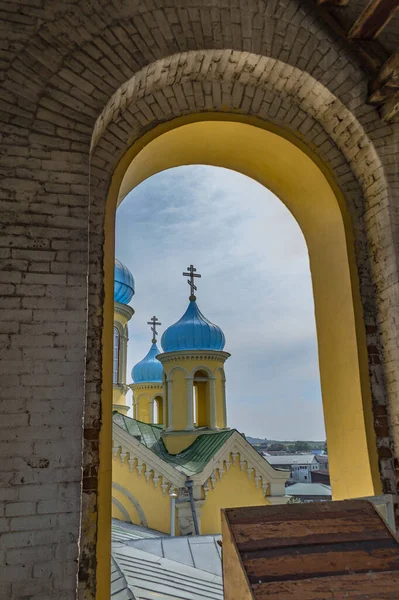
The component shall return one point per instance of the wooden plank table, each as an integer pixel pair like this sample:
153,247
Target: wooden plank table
315,551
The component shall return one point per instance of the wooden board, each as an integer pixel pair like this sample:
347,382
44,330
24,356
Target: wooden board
314,551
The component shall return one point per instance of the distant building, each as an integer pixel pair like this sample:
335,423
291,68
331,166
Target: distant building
309,492
301,466
320,476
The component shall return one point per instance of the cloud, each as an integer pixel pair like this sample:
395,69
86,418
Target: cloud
255,284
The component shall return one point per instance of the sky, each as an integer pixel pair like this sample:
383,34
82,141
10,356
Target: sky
255,285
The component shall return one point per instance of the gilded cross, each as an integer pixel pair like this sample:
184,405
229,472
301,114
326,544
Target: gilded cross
191,274
154,322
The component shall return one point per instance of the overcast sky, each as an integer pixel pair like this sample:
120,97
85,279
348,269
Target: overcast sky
255,285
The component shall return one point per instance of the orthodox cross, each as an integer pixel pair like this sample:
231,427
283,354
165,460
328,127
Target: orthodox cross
154,322
191,274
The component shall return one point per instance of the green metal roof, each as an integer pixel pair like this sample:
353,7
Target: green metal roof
147,434
189,462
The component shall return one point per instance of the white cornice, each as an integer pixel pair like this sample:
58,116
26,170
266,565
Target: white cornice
216,355
123,309
136,449
146,386
272,481
237,444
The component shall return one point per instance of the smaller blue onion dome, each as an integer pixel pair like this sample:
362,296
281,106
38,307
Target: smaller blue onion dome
123,283
148,370
193,332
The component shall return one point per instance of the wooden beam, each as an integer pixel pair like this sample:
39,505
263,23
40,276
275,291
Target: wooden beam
390,109
372,54
384,90
334,2
373,19
382,70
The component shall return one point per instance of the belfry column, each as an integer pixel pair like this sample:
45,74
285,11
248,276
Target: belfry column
170,404
212,381
190,404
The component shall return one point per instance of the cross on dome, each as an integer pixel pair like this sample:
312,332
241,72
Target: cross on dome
191,274
154,322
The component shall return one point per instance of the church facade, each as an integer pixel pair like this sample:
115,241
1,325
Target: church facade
176,463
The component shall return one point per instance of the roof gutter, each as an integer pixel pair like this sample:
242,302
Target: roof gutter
189,485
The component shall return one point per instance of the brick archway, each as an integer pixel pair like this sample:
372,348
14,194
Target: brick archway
60,67
243,84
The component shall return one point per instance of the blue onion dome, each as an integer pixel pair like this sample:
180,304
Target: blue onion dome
149,369
193,332
123,283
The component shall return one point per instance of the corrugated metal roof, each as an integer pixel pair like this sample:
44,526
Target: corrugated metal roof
127,532
191,461
152,566
152,577
201,552
119,586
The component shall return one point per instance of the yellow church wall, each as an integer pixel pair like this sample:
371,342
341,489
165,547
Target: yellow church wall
234,489
177,442
155,504
143,412
119,400
117,513
179,396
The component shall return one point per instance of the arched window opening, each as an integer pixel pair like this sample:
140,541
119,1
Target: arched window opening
115,371
201,399
158,410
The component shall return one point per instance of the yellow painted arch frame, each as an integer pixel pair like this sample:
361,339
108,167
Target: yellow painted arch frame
276,159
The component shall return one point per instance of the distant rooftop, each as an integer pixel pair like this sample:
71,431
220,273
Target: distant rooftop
308,489
290,459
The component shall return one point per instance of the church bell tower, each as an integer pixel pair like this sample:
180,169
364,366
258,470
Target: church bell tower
193,375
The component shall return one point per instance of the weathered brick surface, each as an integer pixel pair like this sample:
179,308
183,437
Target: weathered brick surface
118,68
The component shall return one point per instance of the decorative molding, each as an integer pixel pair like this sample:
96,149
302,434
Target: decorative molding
206,489
150,385
136,450
139,468
132,500
236,447
124,310
123,510
199,355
